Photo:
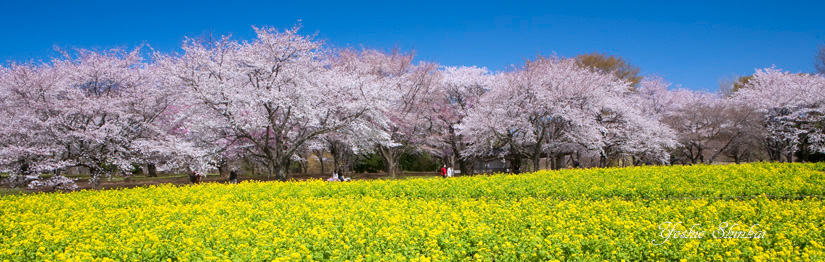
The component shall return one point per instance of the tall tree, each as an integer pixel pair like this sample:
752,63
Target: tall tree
271,95
457,91
615,65
87,109
697,119
793,106
405,87
550,107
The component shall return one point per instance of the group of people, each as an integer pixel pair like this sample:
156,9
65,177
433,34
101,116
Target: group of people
338,178
446,171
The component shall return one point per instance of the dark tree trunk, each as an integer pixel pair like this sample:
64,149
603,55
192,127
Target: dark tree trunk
320,155
222,168
24,168
803,150
341,157
515,165
772,147
152,170
559,163
462,164
281,169
536,162
391,157
270,168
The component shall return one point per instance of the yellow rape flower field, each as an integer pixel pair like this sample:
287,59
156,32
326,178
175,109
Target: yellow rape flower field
609,214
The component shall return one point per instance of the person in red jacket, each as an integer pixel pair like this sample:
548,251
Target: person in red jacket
444,171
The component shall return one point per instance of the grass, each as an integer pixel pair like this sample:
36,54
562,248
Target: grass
13,191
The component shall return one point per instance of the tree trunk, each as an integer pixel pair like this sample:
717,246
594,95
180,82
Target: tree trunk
340,157
320,155
391,157
270,168
24,168
515,165
559,163
222,170
536,162
462,164
454,142
771,145
323,167
280,168
578,162
282,173
152,170
96,175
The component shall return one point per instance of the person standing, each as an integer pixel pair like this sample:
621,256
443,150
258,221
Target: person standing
444,171
450,172
233,177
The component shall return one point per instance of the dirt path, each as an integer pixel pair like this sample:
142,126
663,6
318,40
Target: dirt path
139,181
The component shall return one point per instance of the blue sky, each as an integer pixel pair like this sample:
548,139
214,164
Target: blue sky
690,43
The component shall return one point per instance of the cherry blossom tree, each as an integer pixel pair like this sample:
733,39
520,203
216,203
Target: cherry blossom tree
457,90
404,87
26,148
361,135
267,97
89,109
626,132
698,122
709,126
549,107
793,106
654,102
552,107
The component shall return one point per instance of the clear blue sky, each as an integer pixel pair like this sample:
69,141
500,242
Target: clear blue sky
690,43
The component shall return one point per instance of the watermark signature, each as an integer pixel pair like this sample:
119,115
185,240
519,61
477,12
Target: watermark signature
725,230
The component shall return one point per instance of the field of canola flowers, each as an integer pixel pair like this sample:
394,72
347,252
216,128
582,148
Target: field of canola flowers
584,214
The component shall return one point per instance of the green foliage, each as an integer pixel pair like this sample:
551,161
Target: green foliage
137,169
419,162
369,163
109,168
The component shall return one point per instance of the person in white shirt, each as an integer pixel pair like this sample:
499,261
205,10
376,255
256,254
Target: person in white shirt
450,172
